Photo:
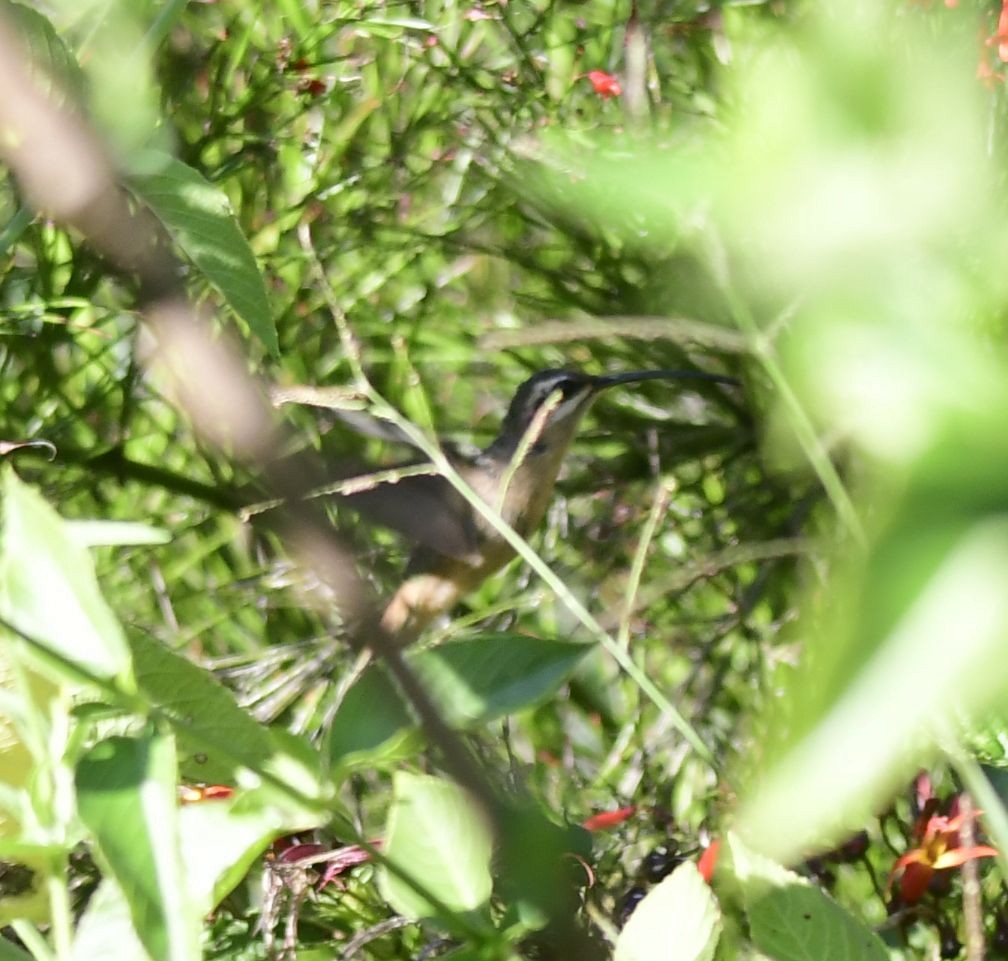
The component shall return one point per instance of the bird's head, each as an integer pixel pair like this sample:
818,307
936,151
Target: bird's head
551,403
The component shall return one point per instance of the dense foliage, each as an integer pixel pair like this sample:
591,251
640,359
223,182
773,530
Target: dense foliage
780,604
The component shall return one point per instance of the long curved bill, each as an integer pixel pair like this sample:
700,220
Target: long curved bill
636,376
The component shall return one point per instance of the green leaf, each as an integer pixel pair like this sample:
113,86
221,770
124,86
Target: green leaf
473,682
790,919
48,587
679,920
372,726
883,687
222,839
11,952
115,533
46,51
217,734
477,681
105,930
126,796
199,218
435,835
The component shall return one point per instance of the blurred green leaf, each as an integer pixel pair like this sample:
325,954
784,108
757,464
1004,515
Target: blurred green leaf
115,533
107,37
372,727
479,680
126,795
199,217
473,682
679,920
436,836
106,930
790,919
48,587
218,735
45,49
883,698
11,952
222,839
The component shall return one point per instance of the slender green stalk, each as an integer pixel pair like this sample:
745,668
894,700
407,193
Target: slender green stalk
33,941
658,506
801,424
987,800
61,917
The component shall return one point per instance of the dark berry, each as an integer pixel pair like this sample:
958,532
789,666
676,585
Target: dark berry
628,904
660,862
853,849
941,883
950,945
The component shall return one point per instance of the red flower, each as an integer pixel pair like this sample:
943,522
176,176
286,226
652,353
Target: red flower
608,819
1001,37
708,860
605,84
937,848
192,794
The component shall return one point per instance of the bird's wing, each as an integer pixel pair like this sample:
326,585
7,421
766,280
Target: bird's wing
424,508
367,425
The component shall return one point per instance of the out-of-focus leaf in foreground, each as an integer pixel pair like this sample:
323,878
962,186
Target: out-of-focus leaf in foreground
48,587
126,797
437,836
853,192
679,920
791,919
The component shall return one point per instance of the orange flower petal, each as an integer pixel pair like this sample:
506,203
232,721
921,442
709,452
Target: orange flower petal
608,819
915,881
956,856
708,860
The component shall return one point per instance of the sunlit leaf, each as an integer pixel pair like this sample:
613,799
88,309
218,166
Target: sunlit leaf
791,919
679,920
436,836
126,796
200,219
106,930
115,533
48,587
472,681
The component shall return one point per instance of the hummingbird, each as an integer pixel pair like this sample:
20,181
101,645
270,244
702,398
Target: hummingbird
456,548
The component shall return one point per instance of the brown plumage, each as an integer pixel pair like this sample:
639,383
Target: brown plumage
457,549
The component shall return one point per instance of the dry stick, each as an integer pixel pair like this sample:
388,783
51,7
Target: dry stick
972,908
63,168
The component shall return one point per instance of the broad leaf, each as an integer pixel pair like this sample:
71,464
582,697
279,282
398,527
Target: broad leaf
105,930
48,587
222,839
790,919
46,51
126,796
199,217
473,682
477,681
882,688
372,726
435,835
679,920
217,735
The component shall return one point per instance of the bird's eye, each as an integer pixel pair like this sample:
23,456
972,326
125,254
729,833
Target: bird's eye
567,388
